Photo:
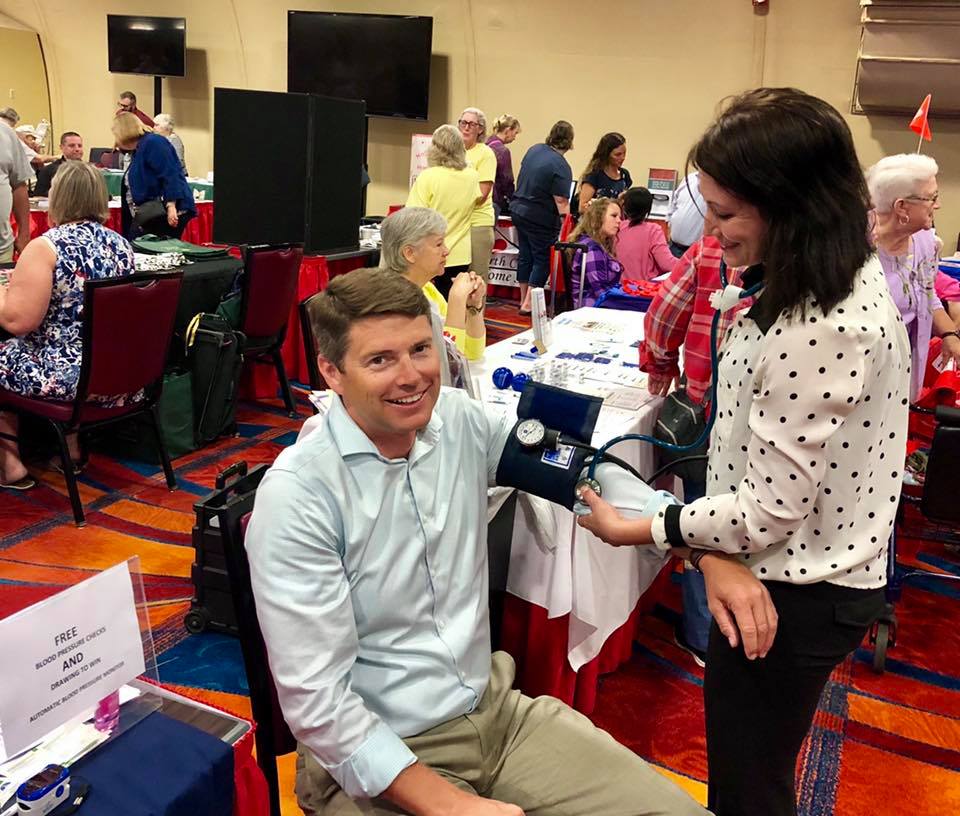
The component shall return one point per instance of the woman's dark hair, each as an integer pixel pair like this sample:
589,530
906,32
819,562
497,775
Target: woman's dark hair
636,203
791,156
561,136
607,144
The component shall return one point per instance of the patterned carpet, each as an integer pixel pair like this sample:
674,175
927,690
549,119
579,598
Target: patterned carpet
880,745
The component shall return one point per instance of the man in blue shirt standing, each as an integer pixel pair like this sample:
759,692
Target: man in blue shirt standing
367,552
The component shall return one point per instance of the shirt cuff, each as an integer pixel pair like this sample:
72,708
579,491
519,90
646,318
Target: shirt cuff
371,769
666,528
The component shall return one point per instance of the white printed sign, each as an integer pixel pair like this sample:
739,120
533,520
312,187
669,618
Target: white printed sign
419,145
62,655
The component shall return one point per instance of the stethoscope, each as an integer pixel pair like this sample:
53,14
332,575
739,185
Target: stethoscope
532,433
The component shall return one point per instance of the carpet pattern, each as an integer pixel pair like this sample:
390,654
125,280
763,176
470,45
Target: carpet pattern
880,744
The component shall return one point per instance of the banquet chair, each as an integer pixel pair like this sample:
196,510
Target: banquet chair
938,503
573,286
317,382
126,329
269,290
273,737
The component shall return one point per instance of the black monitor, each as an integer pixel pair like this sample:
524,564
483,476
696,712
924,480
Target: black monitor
383,59
155,46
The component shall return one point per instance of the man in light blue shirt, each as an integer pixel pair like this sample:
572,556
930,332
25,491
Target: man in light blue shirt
367,550
685,216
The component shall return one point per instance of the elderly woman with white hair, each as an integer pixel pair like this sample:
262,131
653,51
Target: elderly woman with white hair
473,128
450,186
413,245
163,124
905,197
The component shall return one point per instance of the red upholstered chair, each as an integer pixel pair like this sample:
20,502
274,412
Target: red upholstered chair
127,328
269,293
317,382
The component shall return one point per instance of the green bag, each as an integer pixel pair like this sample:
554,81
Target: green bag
175,408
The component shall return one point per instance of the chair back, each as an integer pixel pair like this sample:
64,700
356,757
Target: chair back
104,157
317,382
273,737
939,501
270,278
127,329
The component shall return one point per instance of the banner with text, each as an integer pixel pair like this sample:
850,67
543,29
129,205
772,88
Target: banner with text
62,655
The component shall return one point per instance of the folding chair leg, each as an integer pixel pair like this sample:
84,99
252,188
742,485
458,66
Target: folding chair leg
267,760
162,449
285,389
69,476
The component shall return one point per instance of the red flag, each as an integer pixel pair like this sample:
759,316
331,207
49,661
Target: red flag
919,124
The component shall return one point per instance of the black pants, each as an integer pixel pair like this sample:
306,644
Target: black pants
758,712
443,282
678,249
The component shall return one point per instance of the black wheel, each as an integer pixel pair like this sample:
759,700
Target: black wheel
196,621
881,642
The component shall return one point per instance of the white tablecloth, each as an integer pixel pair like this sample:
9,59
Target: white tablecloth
568,570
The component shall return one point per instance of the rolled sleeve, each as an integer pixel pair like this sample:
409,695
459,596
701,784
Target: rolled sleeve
371,769
791,420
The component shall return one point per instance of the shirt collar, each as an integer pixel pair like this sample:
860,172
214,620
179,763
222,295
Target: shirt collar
759,313
351,440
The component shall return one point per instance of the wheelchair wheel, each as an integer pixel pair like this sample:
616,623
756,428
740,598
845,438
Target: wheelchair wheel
196,620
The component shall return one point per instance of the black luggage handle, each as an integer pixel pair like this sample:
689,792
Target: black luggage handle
238,469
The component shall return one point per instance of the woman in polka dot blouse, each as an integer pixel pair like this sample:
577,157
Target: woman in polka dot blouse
806,453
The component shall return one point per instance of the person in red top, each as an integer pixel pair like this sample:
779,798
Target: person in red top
641,246
681,315
128,104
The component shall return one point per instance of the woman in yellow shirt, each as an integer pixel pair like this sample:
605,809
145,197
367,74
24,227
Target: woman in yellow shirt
413,245
473,129
451,187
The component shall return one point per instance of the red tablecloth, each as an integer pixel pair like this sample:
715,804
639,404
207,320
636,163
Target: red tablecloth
198,231
539,646
260,379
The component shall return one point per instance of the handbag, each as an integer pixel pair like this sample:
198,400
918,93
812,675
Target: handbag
681,422
148,212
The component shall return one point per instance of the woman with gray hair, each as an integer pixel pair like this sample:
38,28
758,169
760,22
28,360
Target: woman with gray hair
413,246
473,128
904,192
451,187
163,124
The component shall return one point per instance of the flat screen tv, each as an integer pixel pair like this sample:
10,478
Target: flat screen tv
379,58
146,45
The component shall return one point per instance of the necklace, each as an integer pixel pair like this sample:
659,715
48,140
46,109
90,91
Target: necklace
905,272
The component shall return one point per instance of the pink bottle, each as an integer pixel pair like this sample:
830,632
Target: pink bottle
107,716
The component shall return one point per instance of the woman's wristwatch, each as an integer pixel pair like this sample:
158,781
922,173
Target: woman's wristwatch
954,333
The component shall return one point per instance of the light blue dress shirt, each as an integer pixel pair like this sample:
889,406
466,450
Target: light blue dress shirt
370,577
686,212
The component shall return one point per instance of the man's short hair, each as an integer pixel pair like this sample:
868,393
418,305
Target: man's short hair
129,95
10,115
67,134
357,295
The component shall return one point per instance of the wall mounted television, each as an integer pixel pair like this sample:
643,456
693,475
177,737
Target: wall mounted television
155,46
383,59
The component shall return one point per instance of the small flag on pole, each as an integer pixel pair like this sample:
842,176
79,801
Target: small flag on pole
919,124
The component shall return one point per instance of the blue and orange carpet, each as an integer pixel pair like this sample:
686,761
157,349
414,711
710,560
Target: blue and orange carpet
881,745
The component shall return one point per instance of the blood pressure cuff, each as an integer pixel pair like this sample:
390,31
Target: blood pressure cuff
550,474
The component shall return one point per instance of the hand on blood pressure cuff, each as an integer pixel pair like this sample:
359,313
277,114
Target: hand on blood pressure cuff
632,497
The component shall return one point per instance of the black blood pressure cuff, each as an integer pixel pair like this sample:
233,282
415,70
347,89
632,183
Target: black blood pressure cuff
550,474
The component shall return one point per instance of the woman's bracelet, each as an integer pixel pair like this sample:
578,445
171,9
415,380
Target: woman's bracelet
696,556
475,309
